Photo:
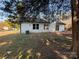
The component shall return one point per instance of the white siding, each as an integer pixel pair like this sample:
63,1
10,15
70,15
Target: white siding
52,27
29,26
61,27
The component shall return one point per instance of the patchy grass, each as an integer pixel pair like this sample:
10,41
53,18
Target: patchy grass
16,46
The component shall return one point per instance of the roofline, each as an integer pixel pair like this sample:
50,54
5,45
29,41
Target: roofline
35,22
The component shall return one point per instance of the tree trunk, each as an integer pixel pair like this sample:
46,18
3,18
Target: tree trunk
75,27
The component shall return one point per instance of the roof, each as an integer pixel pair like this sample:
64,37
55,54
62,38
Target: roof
60,23
40,18
35,21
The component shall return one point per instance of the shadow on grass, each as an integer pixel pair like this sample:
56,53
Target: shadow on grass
33,46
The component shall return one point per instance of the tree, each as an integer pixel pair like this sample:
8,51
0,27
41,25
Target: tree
27,8
11,24
75,28
24,10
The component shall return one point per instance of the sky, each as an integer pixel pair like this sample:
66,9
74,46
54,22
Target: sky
4,15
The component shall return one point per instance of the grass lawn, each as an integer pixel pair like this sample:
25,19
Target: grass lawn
35,46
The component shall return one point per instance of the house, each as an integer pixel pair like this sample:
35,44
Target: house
37,26
3,26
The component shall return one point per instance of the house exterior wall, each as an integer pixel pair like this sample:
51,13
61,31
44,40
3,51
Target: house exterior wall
52,27
29,27
61,28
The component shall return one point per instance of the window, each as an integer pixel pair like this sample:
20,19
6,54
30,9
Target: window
46,26
35,26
